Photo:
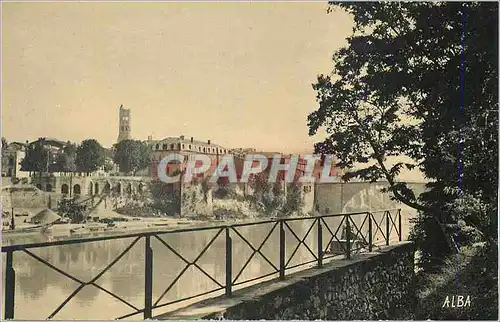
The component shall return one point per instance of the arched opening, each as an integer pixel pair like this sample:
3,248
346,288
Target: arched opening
77,189
91,189
96,190
48,187
129,188
64,189
107,187
118,188
39,186
140,187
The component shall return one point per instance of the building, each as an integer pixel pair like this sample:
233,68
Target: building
124,132
183,146
12,156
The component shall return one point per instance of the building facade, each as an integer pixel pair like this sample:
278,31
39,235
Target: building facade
11,160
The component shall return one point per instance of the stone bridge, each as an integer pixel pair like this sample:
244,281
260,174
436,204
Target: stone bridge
91,185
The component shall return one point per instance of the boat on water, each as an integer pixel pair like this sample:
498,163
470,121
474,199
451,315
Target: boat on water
30,229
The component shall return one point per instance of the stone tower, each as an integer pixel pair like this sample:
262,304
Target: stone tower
124,124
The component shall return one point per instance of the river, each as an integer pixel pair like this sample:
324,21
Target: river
40,289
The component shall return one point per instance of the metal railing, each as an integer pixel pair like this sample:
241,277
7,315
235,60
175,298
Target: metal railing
353,236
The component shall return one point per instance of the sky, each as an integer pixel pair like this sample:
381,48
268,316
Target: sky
239,74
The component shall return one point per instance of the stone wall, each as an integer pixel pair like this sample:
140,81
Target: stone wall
196,201
27,197
373,286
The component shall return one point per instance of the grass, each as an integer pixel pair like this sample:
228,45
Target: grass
473,272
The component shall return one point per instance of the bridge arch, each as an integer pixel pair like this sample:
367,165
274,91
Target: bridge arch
140,188
118,188
107,187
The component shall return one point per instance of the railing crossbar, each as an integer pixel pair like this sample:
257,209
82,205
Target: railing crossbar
301,242
59,308
334,235
255,251
82,283
197,258
393,224
188,264
358,230
378,226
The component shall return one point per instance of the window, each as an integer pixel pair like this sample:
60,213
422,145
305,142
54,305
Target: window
183,146
190,147
157,147
171,146
199,149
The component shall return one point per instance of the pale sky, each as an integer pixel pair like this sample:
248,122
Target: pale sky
239,74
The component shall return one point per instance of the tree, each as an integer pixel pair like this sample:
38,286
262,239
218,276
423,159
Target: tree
36,157
398,90
89,156
65,161
70,209
108,165
132,155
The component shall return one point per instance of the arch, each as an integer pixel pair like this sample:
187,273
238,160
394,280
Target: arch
48,187
118,188
107,187
140,187
64,189
77,189
91,188
39,186
129,188
96,188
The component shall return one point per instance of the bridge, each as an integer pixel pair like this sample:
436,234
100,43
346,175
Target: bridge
242,255
81,184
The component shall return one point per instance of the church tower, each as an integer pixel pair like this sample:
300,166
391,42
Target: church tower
124,124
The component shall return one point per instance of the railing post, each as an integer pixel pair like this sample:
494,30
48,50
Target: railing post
370,233
148,281
320,243
282,250
387,228
399,225
229,263
348,237
10,286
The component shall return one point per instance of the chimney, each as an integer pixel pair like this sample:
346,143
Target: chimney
192,139
208,141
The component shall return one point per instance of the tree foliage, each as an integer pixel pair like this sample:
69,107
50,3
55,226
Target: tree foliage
417,79
132,155
71,209
89,156
66,161
35,158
